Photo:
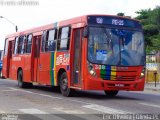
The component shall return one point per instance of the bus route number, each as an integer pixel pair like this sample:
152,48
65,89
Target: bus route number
117,22
99,67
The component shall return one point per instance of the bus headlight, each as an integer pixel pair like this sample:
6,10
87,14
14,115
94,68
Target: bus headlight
142,73
91,69
92,72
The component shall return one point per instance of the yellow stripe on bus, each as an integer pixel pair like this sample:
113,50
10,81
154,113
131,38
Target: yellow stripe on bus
55,80
113,73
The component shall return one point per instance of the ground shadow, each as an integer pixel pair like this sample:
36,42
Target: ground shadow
98,95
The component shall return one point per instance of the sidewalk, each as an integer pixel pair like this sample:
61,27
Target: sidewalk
151,86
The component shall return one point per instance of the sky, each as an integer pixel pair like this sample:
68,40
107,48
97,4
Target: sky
27,14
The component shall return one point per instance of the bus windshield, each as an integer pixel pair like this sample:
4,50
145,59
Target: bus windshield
114,46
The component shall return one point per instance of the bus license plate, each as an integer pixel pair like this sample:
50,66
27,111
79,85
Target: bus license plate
119,85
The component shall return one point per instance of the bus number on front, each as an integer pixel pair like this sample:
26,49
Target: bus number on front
99,67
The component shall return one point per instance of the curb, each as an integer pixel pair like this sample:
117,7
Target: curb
153,89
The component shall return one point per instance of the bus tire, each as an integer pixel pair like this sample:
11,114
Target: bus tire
111,93
67,92
21,84
3,77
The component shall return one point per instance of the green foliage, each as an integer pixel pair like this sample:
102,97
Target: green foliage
151,29
120,14
143,14
150,20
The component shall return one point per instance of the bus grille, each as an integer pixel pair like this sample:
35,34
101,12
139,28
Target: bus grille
118,78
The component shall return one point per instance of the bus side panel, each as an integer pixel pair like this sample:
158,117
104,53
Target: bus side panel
27,68
10,69
4,68
18,63
21,64
62,62
44,68
53,74
12,73
84,62
14,69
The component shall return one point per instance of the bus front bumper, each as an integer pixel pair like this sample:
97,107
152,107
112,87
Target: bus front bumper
99,84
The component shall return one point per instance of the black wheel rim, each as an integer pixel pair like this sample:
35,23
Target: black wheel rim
64,83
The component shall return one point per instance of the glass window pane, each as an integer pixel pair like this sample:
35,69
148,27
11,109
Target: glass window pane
52,45
20,44
44,40
51,42
29,44
16,46
65,32
30,39
6,47
116,46
63,45
23,44
63,41
51,35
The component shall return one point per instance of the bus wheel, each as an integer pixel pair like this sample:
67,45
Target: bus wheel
21,84
67,92
111,93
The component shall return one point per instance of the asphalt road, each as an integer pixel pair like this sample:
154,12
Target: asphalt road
45,103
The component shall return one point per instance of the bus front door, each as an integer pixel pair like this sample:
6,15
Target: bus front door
9,58
11,44
77,58
36,56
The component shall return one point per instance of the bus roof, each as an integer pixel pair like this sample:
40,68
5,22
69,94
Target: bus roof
63,23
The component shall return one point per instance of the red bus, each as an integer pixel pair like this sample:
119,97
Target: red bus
91,52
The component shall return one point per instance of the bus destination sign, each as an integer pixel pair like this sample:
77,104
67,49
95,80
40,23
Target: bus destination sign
117,22
111,20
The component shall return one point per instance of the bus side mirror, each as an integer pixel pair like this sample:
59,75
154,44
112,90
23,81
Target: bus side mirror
85,32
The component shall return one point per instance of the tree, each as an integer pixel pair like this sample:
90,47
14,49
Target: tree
150,20
120,14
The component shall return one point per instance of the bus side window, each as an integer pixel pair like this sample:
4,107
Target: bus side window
16,45
23,45
20,44
51,40
28,45
44,40
63,38
6,47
